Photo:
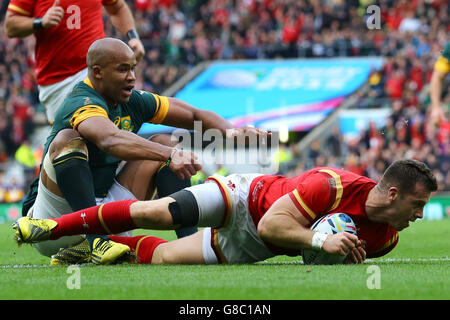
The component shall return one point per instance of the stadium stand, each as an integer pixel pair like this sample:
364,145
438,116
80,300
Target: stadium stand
178,35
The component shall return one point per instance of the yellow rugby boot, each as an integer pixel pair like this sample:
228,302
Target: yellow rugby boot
108,252
30,230
77,254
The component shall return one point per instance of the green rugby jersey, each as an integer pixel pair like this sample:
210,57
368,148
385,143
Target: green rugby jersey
446,51
84,102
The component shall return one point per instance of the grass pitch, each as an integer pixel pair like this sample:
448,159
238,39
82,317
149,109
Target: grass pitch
419,268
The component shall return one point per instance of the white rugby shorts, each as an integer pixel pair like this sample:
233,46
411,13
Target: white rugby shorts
230,235
52,96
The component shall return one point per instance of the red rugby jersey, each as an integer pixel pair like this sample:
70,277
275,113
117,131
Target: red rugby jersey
322,191
60,51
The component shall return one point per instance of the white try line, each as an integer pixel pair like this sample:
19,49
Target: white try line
23,266
28,266
409,260
443,259
370,261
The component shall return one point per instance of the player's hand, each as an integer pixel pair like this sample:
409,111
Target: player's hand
184,163
137,47
437,115
357,255
249,132
53,16
341,243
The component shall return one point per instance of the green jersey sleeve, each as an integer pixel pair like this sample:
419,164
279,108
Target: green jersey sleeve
446,51
152,107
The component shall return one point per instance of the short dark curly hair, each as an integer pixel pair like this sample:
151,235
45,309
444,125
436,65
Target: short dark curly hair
405,174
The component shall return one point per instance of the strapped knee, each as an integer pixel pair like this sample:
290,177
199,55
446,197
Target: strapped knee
184,210
76,147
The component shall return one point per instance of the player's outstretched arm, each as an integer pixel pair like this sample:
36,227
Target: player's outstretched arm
128,146
121,144
436,111
182,115
20,26
123,20
283,225
17,26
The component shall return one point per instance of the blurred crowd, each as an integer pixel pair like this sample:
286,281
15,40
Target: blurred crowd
180,34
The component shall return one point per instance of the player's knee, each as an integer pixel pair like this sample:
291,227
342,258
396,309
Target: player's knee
152,214
65,142
163,255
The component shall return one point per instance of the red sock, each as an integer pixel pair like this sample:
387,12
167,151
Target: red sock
109,218
129,241
144,246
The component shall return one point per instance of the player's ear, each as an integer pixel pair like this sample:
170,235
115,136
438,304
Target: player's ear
97,72
393,193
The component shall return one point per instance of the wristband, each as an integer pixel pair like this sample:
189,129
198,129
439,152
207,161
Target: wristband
132,34
37,24
318,239
174,150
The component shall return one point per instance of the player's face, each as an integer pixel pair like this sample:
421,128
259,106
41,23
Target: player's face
120,77
409,207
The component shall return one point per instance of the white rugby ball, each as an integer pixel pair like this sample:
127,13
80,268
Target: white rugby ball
329,224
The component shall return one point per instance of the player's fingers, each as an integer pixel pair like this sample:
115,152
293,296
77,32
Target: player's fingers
354,239
194,158
352,258
197,166
362,252
59,15
231,133
53,23
357,257
349,244
263,134
191,170
343,251
341,248
179,158
181,175
55,19
56,12
139,51
363,244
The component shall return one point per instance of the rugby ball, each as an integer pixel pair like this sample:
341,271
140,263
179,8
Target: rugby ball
329,224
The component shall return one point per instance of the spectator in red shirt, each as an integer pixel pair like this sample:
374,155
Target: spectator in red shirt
62,39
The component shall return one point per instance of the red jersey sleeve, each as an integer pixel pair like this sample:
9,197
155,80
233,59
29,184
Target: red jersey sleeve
21,7
315,195
385,246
